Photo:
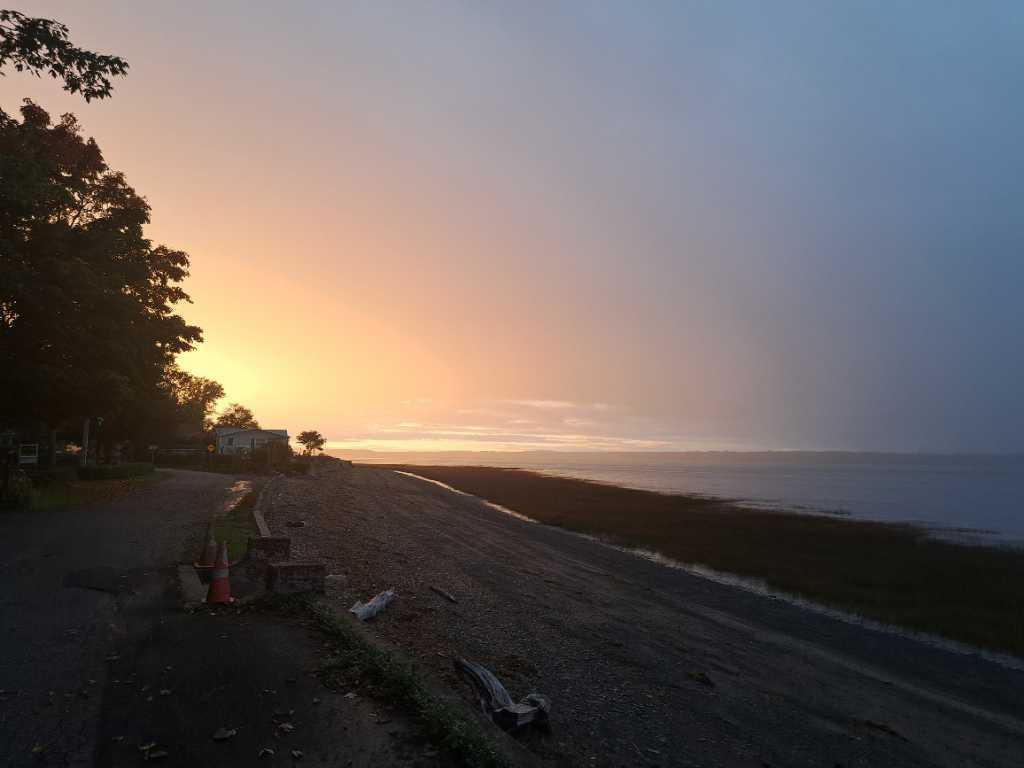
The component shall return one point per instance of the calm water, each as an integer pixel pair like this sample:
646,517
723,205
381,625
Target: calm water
981,493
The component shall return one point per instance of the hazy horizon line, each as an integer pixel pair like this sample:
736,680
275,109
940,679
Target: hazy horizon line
669,452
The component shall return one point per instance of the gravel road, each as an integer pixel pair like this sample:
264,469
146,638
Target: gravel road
97,659
644,664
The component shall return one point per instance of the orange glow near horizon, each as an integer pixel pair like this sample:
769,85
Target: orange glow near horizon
475,220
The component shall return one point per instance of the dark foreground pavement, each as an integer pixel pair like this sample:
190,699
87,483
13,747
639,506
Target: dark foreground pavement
98,660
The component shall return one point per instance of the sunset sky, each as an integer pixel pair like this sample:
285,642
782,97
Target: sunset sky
585,225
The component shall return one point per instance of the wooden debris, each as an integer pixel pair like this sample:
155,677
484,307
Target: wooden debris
443,594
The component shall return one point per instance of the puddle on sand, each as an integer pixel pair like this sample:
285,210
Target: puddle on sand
238,491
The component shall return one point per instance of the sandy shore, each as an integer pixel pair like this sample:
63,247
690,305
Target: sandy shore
644,664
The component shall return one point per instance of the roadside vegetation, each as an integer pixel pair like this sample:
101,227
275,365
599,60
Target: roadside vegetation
311,441
68,489
892,573
90,329
238,525
357,660
279,458
115,471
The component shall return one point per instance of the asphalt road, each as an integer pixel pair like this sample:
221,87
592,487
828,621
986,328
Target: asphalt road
97,659
645,664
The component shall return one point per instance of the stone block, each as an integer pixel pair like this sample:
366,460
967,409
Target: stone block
295,576
269,549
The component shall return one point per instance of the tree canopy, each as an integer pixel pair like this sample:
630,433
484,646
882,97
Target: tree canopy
311,440
237,415
195,396
42,45
87,303
88,321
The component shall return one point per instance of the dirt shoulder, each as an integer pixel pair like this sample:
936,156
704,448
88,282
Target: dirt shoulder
644,664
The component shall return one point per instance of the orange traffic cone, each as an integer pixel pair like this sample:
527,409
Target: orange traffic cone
209,558
220,584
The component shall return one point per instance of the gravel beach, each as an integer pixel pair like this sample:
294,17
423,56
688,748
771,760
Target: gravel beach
645,665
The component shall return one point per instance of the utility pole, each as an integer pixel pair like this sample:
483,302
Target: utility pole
83,457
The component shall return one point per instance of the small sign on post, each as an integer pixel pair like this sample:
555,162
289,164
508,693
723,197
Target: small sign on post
28,454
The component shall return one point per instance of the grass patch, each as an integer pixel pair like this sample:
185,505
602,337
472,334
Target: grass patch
395,679
893,573
238,525
114,471
57,496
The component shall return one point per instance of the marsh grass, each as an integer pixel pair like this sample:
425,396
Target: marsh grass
892,573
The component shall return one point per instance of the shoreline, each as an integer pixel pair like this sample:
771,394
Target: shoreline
957,534
759,587
957,498
636,656
889,574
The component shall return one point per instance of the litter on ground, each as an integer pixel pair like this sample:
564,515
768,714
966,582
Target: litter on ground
364,611
496,701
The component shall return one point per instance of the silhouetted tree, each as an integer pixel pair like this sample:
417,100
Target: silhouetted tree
195,396
311,440
236,415
42,45
87,320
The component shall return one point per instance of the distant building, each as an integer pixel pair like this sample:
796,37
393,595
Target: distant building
232,440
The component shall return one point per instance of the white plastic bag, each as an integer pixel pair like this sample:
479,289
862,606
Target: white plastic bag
364,611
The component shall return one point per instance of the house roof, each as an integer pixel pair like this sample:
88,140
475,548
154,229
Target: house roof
235,431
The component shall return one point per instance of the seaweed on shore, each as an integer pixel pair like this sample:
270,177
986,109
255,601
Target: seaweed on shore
892,573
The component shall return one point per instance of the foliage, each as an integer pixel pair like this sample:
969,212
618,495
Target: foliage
87,320
237,526
19,492
311,441
42,45
55,494
195,396
237,415
41,476
276,454
114,471
256,463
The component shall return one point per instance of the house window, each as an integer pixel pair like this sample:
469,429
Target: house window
231,441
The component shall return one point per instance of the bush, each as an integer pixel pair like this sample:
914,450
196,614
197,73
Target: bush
275,455
186,460
45,476
297,467
20,492
115,471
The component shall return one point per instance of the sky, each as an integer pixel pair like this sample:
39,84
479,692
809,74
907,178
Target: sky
585,225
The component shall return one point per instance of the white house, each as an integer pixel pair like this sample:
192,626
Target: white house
238,441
